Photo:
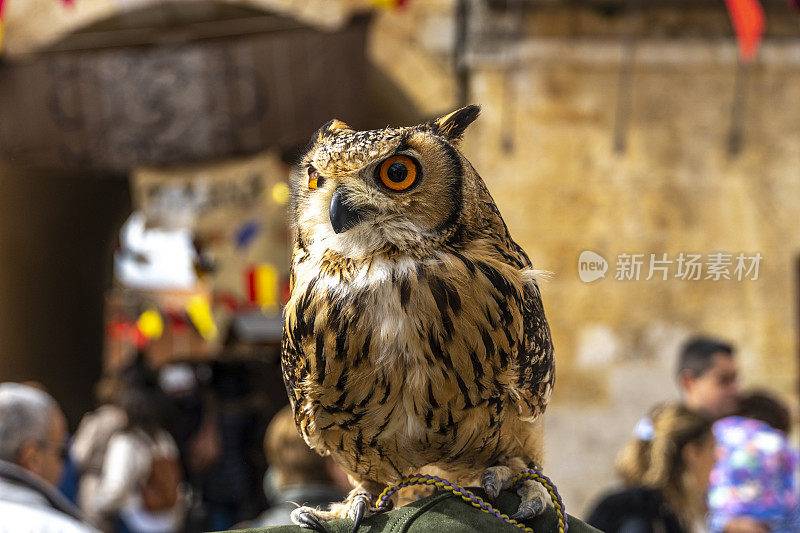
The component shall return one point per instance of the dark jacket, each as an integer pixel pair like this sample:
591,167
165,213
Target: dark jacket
636,510
443,512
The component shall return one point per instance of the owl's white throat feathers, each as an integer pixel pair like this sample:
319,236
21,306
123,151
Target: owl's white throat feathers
374,232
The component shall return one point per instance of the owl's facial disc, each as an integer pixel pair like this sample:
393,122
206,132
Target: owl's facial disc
342,212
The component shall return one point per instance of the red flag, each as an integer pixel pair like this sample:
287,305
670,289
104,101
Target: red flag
1,24
747,18
117,329
177,322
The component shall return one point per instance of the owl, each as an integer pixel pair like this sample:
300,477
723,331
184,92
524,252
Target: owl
415,336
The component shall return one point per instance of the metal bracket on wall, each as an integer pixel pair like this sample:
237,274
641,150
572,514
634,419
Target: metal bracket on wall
514,35
625,86
460,65
738,107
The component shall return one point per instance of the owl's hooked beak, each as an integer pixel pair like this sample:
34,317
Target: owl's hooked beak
343,215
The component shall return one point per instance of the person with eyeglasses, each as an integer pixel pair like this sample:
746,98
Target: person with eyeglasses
33,432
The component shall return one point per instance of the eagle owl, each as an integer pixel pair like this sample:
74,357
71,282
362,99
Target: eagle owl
415,335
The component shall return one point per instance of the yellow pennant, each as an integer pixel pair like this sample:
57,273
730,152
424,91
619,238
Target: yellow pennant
150,324
388,3
199,311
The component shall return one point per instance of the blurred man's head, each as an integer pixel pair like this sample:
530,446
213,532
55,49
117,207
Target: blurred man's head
708,377
33,430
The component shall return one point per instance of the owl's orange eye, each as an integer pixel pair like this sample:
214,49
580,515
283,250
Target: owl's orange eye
314,180
398,172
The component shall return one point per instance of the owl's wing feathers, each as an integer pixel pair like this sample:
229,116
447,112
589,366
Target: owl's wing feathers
534,359
534,362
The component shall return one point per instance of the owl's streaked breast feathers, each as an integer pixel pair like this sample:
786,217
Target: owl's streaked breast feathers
415,333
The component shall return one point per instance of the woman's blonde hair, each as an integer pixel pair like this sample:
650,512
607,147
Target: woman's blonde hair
655,459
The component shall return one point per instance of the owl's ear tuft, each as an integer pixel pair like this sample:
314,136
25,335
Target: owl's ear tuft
336,124
452,125
330,127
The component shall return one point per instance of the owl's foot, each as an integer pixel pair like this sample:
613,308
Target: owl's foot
533,494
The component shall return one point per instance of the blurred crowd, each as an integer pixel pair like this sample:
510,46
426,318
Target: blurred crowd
181,449
719,460
185,450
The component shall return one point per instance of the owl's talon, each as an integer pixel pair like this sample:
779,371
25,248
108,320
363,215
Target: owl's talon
358,509
305,517
528,509
490,485
495,479
534,500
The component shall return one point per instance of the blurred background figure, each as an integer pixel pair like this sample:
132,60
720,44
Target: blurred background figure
666,468
754,482
140,482
33,434
89,445
196,434
297,474
228,446
708,377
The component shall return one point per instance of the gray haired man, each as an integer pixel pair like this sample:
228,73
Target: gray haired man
33,431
